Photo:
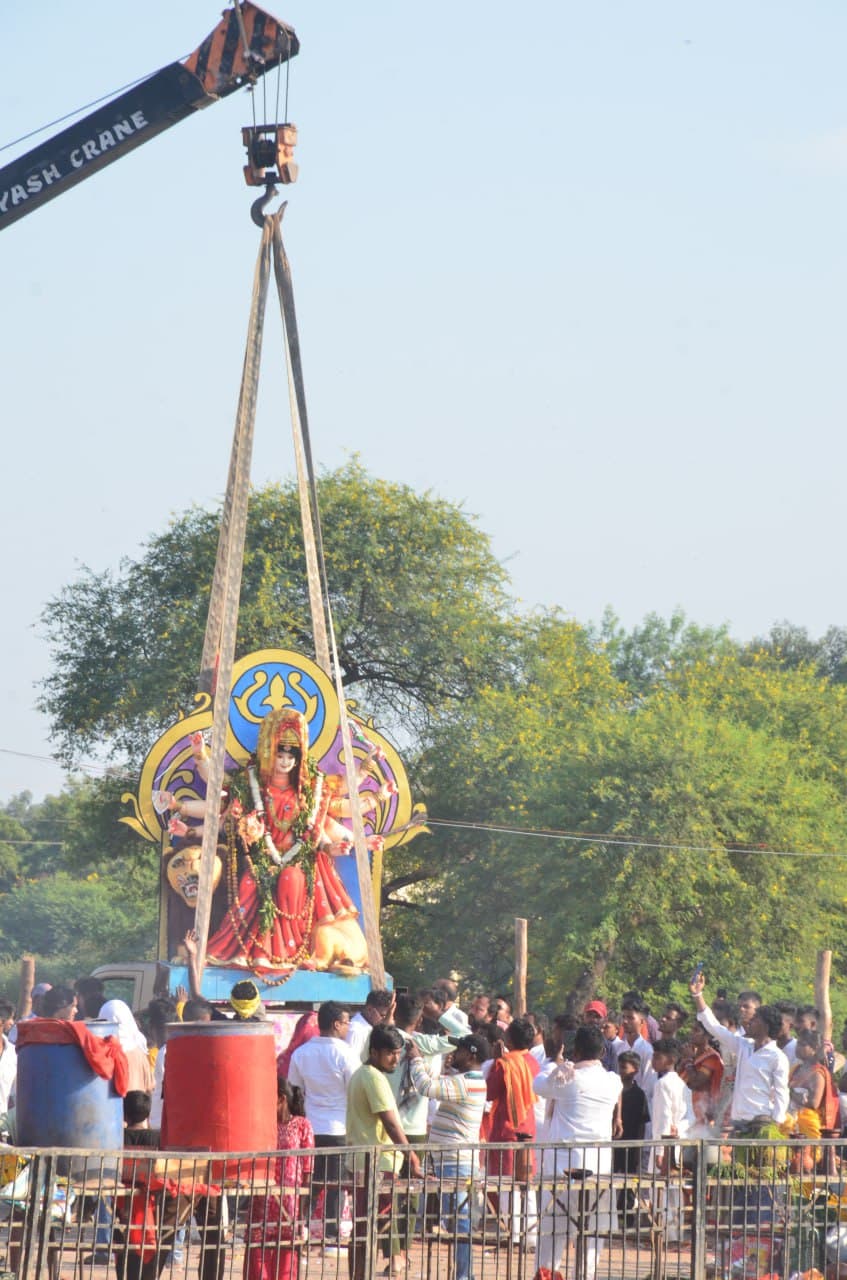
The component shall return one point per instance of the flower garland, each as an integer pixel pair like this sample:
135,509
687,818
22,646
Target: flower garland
253,827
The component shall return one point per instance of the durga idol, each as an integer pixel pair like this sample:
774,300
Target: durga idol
287,905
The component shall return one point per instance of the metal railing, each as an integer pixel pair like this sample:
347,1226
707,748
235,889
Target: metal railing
736,1211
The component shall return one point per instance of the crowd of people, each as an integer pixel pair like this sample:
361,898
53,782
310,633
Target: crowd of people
421,1086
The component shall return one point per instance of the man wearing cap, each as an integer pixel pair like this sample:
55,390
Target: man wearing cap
39,991
594,1014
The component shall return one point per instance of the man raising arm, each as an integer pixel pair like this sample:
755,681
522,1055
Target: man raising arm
761,1080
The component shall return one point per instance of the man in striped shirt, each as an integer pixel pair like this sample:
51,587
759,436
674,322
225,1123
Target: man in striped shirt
454,1133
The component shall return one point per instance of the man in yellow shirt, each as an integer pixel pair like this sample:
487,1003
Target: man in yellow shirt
373,1121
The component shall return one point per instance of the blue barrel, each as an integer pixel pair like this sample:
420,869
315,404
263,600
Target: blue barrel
61,1102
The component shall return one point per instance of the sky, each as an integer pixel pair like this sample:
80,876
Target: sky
579,268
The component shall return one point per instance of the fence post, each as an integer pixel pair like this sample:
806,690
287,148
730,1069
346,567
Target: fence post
698,1226
371,1250
37,1217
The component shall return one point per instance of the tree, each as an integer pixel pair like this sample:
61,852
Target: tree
419,602
792,646
647,655
667,807
513,756
73,925
84,889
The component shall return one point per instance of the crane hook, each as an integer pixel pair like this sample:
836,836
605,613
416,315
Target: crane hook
257,208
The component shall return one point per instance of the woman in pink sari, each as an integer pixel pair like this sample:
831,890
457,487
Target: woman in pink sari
275,1227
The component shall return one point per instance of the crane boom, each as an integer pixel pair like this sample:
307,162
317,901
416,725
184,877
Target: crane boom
244,45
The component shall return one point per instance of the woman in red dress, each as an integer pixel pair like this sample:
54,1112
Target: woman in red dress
276,1226
703,1073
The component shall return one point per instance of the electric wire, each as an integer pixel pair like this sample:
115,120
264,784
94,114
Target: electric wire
493,828
49,844
630,842
70,114
89,767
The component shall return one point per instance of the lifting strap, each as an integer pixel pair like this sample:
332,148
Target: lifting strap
222,621
306,490
219,641
314,544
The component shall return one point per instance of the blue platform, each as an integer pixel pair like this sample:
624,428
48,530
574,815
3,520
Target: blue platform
302,988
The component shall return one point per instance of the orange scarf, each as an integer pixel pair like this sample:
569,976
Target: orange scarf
520,1095
104,1055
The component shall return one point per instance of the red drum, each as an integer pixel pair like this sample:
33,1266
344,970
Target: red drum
220,1091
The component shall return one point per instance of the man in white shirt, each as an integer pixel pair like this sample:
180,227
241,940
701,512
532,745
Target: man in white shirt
632,1031
584,1097
671,1116
323,1068
761,1075
458,1016
377,1010
8,1057
670,1107
786,1039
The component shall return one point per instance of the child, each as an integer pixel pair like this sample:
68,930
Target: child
811,1085
632,1114
137,1131
274,1228
614,1042
631,1117
670,1107
148,1217
671,1116
842,1102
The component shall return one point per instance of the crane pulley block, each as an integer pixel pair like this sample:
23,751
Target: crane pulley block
245,44
270,154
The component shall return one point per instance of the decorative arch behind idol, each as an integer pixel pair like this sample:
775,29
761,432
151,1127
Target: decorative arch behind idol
287,892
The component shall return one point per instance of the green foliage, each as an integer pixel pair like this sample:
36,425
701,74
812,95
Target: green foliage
85,890
662,771
792,646
80,923
650,653
672,789
13,837
418,601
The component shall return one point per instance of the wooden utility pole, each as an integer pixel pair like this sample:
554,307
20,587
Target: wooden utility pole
520,968
25,989
822,972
